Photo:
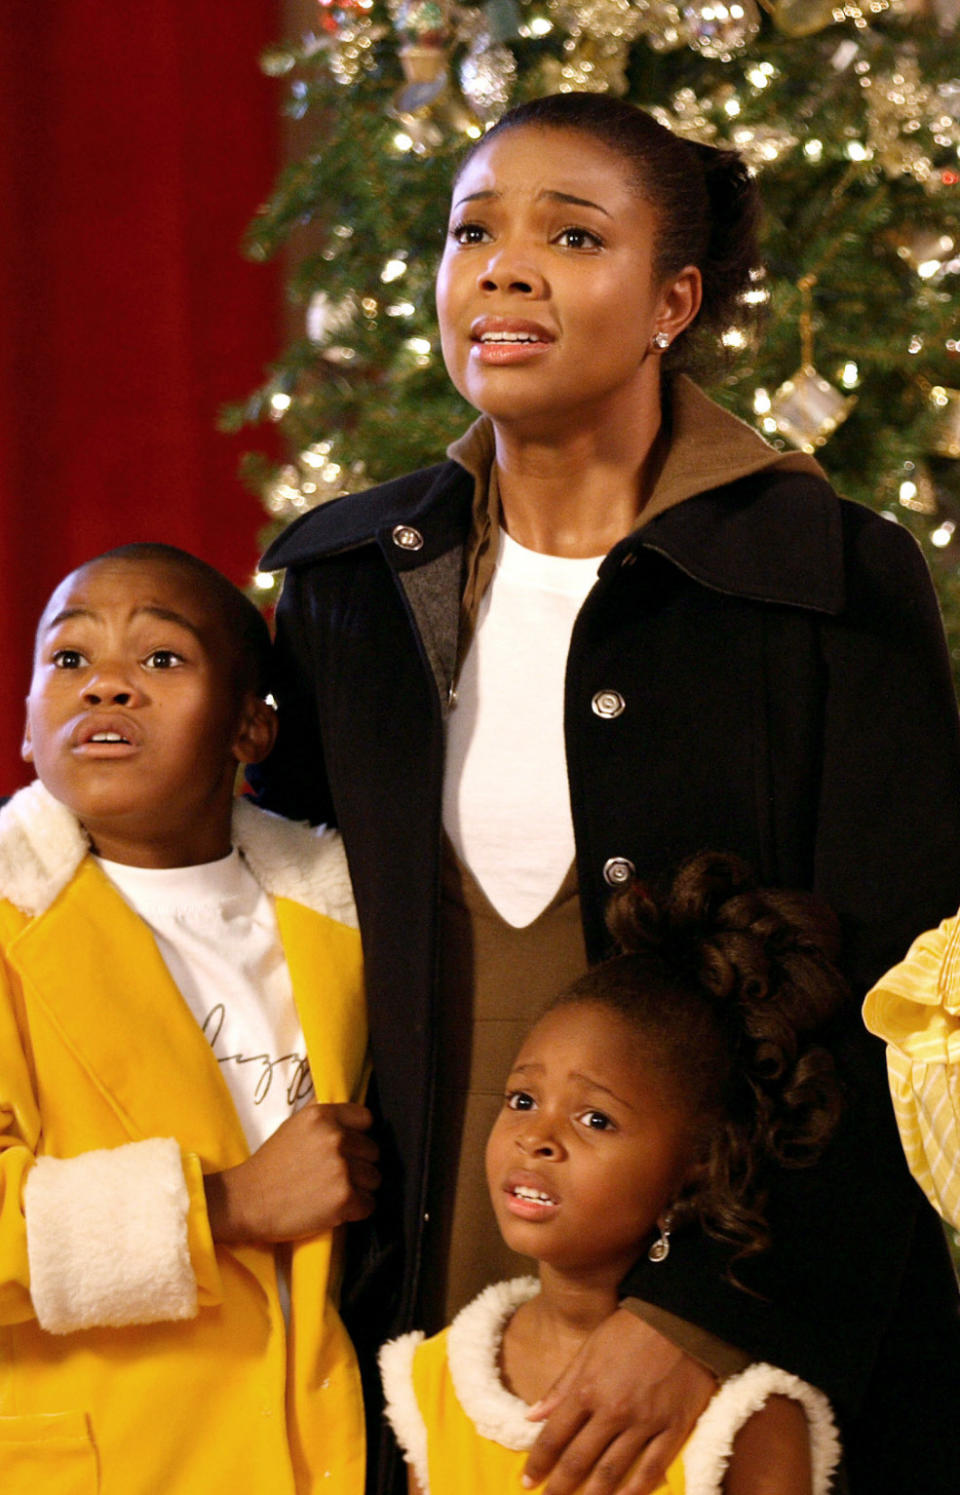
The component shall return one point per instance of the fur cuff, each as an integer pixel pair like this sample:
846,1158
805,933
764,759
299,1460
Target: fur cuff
107,1238
402,1410
707,1454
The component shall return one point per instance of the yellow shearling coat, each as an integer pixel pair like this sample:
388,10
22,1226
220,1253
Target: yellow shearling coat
135,1357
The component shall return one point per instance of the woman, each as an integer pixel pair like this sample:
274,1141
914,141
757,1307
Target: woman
613,628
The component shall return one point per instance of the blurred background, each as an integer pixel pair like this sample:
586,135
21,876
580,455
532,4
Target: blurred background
220,225
136,142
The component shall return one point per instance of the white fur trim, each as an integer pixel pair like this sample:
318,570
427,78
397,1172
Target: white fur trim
294,860
107,1238
42,844
401,1406
707,1453
473,1350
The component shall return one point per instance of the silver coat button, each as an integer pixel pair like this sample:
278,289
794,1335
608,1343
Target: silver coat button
617,871
407,537
608,703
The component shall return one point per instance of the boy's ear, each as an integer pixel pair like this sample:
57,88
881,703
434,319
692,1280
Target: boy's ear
256,732
26,747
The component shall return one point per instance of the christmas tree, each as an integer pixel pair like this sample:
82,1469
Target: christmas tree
849,114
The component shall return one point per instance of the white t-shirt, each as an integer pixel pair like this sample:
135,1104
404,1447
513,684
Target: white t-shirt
506,799
216,930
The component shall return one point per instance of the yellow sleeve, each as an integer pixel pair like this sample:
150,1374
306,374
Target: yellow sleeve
926,1099
19,1135
203,1252
915,1008
50,1222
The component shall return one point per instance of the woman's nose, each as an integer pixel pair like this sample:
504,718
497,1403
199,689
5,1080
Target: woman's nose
509,269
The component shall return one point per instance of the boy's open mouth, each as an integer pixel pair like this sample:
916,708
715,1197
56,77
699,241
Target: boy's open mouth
112,735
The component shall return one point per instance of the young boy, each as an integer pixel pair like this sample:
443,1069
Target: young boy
182,1052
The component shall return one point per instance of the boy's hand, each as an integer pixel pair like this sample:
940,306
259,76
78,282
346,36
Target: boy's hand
315,1172
630,1395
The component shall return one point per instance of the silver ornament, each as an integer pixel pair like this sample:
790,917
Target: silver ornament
717,29
487,75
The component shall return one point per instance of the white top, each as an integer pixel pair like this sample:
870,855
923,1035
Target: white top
216,930
506,799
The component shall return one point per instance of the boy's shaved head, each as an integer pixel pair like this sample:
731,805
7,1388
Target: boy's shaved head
244,625
147,696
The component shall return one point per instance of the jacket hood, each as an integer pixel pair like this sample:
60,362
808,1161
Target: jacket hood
710,448
42,845
727,508
705,448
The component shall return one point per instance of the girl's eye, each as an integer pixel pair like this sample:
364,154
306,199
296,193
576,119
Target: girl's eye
162,659
68,659
518,1100
596,1121
578,238
469,233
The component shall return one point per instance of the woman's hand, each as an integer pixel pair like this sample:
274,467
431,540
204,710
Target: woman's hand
624,1407
315,1171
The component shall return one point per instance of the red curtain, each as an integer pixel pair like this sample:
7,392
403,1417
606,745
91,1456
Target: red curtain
135,144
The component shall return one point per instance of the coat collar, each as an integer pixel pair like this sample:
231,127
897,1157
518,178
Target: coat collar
435,501
42,846
773,537
731,512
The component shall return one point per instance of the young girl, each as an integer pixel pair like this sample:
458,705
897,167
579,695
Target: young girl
661,1088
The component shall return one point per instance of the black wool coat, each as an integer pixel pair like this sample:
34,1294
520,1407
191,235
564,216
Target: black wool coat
786,696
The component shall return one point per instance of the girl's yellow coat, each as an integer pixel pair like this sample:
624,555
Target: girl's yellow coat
99,1050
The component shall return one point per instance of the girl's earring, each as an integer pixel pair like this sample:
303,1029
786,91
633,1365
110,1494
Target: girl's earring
660,341
660,1249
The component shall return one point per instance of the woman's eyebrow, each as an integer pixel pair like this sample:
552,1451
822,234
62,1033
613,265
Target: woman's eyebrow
553,194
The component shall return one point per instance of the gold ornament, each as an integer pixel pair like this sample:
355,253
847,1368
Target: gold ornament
804,17
762,145
926,250
718,30
913,125
424,32
487,75
946,429
603,20
592,66
945,13
423,64
665,27
915,488
687,116
806,409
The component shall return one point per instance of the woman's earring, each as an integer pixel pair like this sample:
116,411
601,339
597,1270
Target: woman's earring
660,341
660,1249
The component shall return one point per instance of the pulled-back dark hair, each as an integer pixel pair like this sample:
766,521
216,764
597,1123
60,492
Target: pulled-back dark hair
245,624
706,201
732,989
